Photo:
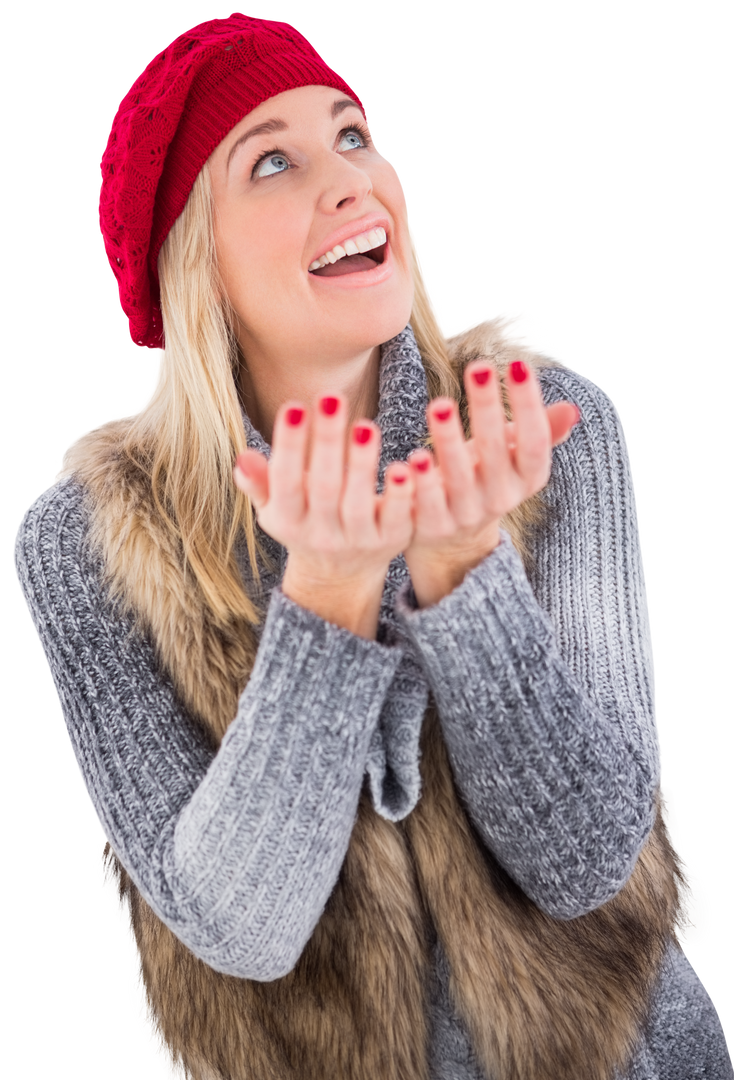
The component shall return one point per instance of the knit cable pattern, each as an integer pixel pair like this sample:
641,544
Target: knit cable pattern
175,114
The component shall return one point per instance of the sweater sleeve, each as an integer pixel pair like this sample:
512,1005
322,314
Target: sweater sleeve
236,851
544,685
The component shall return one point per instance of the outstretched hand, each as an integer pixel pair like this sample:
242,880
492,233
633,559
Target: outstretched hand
462,493
316,495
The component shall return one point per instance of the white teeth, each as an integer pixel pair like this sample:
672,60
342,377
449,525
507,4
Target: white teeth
355,245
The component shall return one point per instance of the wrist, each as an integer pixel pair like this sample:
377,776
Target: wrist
351,602
437,570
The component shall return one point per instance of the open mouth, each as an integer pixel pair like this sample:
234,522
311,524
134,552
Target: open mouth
353,264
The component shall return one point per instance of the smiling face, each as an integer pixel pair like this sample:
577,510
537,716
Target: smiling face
311,230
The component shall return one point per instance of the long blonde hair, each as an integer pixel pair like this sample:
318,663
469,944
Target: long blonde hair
190,432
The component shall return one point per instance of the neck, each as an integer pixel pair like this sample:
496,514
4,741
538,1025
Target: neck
267,382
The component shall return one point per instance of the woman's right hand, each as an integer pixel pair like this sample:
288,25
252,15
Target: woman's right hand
316,496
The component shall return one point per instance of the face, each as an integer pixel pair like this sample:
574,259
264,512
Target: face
311,230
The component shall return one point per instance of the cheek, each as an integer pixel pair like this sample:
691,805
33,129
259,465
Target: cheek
258,250
389,190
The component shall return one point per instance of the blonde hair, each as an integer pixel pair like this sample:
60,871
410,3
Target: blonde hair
191,431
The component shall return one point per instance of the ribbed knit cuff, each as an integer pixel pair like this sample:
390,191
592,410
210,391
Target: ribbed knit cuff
357,675
493,605
322,665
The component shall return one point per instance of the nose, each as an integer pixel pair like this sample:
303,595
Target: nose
343,184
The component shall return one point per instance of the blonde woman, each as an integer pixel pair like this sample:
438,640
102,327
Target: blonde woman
367,719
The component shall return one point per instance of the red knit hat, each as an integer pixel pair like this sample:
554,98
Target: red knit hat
174,116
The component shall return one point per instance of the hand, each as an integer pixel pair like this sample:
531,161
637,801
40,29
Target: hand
340,535
460,500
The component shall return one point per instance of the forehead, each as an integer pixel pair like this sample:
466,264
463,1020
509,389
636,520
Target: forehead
303,98
303,106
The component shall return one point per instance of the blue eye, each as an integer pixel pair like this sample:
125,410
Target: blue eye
353,133
279,159
274,158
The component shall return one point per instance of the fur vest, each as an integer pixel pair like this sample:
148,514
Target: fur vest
542,999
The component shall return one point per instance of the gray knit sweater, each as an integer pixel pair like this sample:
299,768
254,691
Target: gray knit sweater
543,687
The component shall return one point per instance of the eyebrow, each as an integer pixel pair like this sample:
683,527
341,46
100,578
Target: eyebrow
270,126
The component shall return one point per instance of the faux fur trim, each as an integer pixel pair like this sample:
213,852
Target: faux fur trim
542,999
489,341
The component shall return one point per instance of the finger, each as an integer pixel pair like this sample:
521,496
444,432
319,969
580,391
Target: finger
326,464
395,508
288,461
432,515
488,421
455,461
562,417
532,426
359,501
251,476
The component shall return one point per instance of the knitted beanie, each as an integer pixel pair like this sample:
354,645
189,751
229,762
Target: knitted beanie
174,116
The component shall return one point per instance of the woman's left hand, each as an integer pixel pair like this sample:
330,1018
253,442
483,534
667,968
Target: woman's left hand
461,497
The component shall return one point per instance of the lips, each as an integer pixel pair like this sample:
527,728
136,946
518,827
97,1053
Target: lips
376,273
353,229
352,264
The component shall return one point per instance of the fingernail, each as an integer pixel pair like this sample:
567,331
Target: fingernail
329,405
518,371
577,410
294,416
481,376
362,434
398,478
422,464
442,414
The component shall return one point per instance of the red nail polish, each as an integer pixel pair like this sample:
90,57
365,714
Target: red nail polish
442,414
399,479
481,376
518,371
422,464
294,416
577,410
362,434
329,405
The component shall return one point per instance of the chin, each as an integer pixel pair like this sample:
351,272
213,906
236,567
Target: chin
385,327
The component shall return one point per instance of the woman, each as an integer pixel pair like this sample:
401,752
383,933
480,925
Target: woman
382,798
